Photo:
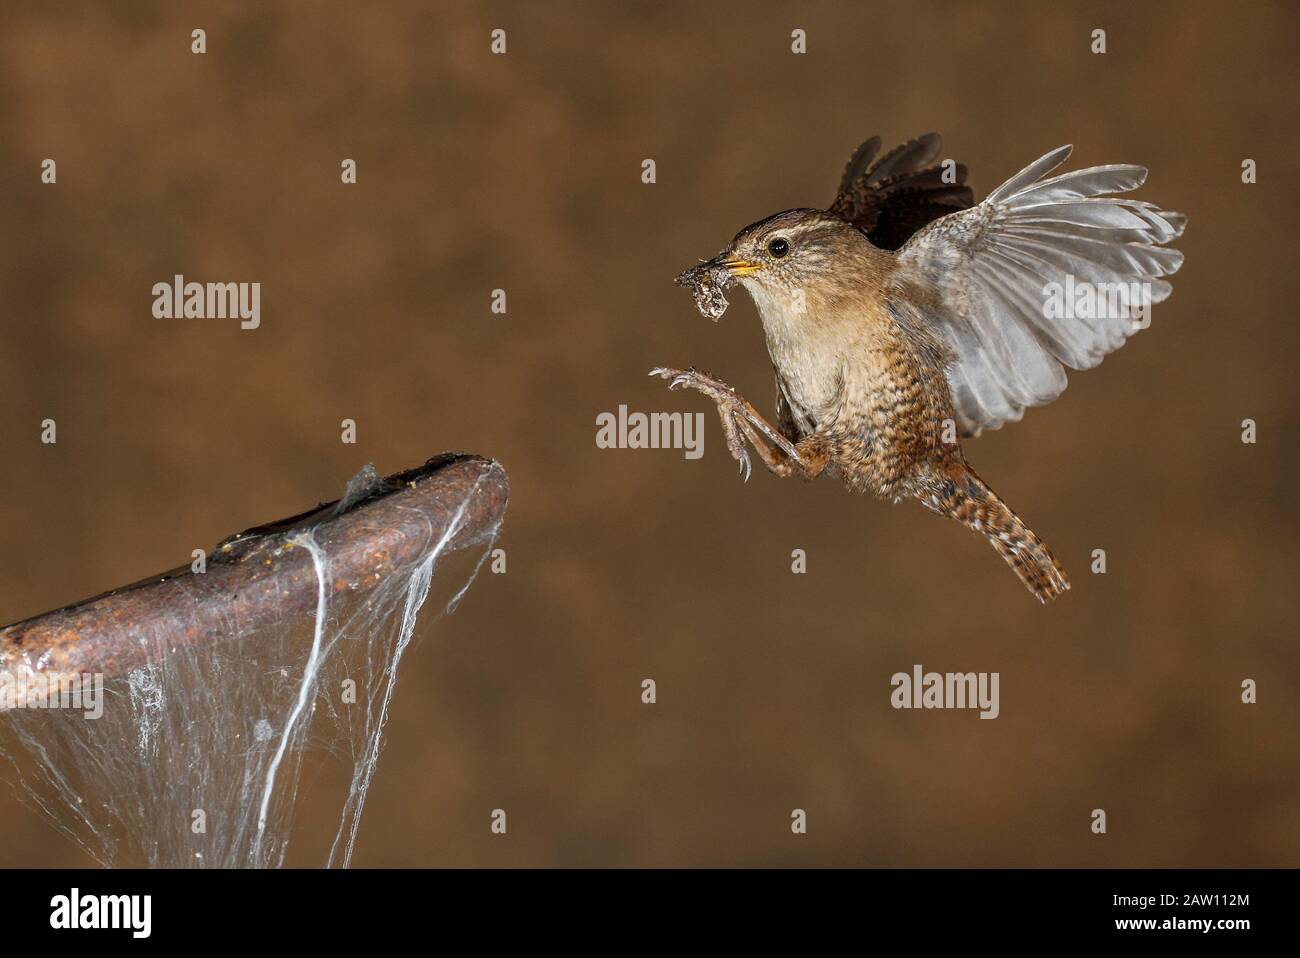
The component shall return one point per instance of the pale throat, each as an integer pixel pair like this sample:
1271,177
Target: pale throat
804,350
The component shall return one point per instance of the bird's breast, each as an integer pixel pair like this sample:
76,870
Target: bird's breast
810,367
826,361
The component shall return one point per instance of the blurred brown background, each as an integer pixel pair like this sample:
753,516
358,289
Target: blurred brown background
522,172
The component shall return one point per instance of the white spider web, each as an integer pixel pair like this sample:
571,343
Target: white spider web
199,756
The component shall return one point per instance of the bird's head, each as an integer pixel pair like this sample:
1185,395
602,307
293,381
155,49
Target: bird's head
794,252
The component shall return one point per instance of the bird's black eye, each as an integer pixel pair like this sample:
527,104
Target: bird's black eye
778,247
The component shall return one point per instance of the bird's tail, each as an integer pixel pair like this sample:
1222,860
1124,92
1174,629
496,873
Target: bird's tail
961,494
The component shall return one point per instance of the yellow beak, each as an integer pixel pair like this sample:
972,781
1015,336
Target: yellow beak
740,267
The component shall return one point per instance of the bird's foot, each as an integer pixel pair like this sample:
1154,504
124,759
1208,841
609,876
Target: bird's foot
692,378
733,410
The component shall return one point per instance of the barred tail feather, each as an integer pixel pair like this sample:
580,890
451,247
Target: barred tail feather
963,495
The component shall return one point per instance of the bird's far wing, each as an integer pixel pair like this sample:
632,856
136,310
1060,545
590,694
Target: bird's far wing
1004,271
902,192
786,420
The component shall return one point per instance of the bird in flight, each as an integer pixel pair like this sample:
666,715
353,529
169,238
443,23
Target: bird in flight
905,317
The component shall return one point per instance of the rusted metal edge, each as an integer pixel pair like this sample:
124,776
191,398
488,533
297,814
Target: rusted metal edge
262,576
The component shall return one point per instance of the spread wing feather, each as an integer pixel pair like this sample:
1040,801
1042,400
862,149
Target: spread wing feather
992,267
901,192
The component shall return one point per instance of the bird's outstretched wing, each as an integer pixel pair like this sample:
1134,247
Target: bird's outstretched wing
990,272
903,191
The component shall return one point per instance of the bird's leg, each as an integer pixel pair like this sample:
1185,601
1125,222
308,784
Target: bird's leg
741,421
812,455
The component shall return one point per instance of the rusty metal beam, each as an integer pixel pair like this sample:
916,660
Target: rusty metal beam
262,576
